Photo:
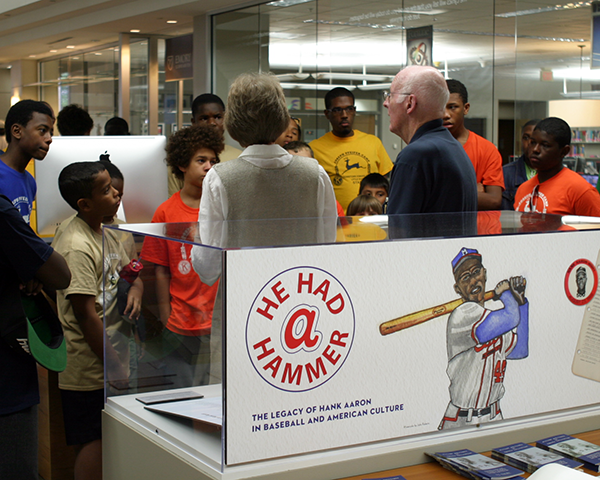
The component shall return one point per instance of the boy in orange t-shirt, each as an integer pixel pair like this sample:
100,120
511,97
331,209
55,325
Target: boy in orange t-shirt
555,189
185,304
484,155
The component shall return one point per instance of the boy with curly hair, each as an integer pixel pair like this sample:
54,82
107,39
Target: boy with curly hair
185,304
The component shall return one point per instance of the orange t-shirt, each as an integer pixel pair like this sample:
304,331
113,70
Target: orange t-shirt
566,193
486,160
191,300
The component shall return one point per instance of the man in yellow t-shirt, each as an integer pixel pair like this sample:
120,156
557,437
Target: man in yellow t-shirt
348,155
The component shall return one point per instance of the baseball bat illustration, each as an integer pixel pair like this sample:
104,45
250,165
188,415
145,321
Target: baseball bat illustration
425,315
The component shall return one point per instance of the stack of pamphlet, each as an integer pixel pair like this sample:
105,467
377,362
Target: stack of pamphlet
573,448
395,477
476,466
530,458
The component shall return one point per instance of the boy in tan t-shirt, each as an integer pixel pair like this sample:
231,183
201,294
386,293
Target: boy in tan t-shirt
86,186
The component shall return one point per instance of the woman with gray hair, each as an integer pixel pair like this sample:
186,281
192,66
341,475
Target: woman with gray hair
256,110
266,196
265,181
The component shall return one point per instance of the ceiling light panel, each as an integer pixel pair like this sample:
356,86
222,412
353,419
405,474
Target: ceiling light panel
550,8
287,3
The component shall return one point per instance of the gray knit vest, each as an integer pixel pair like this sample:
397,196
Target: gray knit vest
257,195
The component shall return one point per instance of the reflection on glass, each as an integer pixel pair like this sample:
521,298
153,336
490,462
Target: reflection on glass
176,342
502,52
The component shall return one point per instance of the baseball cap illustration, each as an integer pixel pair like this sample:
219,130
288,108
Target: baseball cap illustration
38,333
464,255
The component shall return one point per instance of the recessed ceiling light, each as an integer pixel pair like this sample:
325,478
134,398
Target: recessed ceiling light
134,30
70,46
171,21
53,51
285,35
32,56
97,53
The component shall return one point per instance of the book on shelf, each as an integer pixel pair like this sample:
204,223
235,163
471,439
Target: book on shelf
528,458
577,151
586,136
573,448
474,465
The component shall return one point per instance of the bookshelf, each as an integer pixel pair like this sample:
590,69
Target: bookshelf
584,156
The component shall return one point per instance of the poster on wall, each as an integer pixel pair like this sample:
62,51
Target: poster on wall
339,345
419,43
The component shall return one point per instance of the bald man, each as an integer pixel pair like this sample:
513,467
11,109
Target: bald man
432,173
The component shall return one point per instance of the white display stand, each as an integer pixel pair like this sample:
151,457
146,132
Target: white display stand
139,444
541,399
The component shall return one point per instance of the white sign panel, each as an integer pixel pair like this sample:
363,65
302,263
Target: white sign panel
330,346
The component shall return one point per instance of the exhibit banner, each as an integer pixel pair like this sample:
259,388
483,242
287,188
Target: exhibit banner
419,45
337,345
179,63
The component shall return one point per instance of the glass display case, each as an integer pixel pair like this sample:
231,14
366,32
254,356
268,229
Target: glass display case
324,348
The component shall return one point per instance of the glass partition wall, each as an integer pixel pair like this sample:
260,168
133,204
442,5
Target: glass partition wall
513,56
553,67
313,46
91,79
88,79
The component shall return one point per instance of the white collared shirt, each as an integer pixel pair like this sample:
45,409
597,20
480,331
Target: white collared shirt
214,208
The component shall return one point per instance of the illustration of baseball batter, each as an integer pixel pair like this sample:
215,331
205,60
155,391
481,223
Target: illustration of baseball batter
480,341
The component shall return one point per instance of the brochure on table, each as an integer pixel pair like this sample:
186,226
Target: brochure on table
308,368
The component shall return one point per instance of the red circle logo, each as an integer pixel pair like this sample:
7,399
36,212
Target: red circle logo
581,281
300,329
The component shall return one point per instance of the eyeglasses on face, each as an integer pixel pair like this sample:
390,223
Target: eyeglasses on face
387,95
339,110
